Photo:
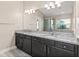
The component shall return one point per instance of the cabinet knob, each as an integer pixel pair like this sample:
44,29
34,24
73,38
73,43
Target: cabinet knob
64,46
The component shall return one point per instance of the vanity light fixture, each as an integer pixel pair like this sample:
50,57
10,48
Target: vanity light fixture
53,4
46,6
58,4
30,11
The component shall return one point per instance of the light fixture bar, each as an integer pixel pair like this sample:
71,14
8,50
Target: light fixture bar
30,11
53,4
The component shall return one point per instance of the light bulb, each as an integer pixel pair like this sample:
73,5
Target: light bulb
33,11
29,12
58,4
53,6
46,5
48,8
25,11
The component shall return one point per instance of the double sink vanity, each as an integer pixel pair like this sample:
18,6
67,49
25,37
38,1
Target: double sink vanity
47,44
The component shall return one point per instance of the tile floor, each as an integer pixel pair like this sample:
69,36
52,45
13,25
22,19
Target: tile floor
14,53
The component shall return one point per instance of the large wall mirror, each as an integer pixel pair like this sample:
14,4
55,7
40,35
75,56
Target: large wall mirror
58,18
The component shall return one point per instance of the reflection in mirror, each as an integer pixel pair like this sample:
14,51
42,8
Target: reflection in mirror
59,18
63,24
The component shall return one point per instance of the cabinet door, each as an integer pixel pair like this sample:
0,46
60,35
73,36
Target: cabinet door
78,50
38,49
57,52
27,45
19,41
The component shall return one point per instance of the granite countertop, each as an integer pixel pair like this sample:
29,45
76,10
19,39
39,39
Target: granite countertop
57,36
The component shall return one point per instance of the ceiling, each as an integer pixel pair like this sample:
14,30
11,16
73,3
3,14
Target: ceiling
66,7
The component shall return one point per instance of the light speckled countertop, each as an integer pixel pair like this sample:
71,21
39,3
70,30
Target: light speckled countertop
57,36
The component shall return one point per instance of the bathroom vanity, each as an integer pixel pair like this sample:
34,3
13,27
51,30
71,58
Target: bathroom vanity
42,44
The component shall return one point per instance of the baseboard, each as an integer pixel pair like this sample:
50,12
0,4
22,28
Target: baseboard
7,49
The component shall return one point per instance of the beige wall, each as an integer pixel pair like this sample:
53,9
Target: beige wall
11,19
74,19
77,19
75,22
30,20
11,14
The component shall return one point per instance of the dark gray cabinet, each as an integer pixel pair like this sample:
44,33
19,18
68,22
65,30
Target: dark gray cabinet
58,52
38,49
27,44
41,47
23,42
78,51
19,41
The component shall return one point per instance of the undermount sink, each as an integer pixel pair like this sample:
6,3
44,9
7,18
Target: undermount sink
44,34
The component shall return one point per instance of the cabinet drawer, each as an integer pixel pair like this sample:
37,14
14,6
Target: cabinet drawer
36,39
47,42
58,52
19,35
65,46
27,36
